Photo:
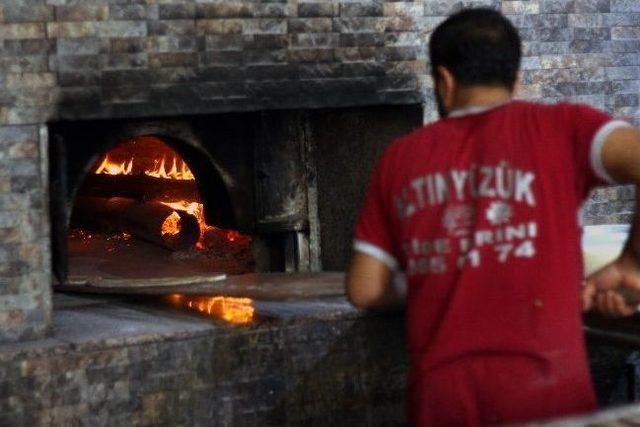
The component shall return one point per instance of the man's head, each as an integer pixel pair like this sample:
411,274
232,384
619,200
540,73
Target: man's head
473,48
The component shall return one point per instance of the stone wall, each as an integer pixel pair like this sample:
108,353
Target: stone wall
63,59
121,365
610,205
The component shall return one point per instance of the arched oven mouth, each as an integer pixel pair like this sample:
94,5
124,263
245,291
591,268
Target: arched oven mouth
138,213
164,199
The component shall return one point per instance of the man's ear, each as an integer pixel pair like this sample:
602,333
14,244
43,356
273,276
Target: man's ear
446,77
446,85
517,84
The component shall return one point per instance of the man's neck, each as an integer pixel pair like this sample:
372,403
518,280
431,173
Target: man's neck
480,96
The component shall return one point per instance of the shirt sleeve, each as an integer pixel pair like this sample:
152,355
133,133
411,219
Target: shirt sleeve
373,234
591,127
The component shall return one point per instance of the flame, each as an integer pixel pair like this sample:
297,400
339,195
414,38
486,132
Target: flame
177,171
171,224
231,309
182,173
110,167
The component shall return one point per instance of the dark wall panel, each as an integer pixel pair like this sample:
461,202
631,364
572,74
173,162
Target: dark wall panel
347,144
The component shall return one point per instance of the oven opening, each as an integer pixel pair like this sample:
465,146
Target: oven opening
138,214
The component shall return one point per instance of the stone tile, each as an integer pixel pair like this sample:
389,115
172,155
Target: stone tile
359,25
364,39
621,19
219,26
262,56
30,80
173,59
172,43
546,34
273,10
591,6
81,46
22,31
592,34
177,11
121,29
124,61
13,13
126,95
587,20
264,26
406,9
402,24
174,27
226,9
82,12
124,77
364,8
221,90
310,25
520,7
266,41
128,44
444,7
544,21
71,29
77,63
623,73
78,78
306,40
310,55
28,47
625,33
624,59
132,12
17,134
625,6
318,10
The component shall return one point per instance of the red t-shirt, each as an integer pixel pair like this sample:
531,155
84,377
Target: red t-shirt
480,210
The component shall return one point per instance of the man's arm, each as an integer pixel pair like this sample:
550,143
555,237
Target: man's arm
369,284
604,290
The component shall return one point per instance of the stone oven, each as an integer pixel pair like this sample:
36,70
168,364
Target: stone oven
239,90
237,187
116,117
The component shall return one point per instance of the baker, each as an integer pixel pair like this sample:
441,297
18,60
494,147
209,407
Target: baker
494,329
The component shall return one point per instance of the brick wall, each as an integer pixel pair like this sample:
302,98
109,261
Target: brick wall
63,59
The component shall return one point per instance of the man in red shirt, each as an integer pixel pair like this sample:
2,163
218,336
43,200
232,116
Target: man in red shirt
480,211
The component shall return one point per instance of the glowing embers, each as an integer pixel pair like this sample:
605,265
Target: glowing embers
171,225
231,309
112,241
208,233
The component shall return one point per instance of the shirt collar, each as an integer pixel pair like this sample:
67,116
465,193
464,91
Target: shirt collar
475,109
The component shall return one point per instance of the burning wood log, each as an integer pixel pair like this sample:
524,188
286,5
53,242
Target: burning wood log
139,187
151,221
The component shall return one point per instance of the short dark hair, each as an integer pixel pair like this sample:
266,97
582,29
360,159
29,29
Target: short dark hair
478,46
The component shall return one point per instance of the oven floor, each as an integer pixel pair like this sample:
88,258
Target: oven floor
112,257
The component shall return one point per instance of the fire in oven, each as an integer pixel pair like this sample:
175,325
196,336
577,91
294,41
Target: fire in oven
138,212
